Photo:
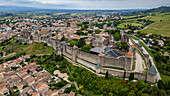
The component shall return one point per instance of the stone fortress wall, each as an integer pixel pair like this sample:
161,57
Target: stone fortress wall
91,61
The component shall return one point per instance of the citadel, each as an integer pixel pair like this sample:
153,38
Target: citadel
103,57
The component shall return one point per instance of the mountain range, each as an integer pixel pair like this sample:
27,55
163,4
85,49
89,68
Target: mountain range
33,9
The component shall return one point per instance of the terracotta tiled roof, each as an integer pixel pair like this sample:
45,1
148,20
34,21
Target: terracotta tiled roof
32,63
35,93
129,54
101,54
75,46
133,46
73,22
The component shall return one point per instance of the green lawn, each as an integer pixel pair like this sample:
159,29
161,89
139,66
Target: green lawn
34,48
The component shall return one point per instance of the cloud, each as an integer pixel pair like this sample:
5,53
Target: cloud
87,4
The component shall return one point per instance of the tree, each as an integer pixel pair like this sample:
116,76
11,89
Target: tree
71,78
117,36
131,77
97,31
90,31
86,48
83,28
107,75
124,76
63,38
67,90
72,43
81,43
161,85
119,44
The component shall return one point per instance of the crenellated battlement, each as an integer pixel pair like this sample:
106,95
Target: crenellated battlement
100,63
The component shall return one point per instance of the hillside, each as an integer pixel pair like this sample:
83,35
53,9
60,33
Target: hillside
34,48
162,9
162,28
161,25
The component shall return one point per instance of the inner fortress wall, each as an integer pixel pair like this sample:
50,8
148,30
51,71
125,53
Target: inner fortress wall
113,62
88,57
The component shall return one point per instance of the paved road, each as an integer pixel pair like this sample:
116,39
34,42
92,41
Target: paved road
151,59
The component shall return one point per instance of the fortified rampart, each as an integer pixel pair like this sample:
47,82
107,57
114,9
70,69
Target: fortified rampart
139,48
98,63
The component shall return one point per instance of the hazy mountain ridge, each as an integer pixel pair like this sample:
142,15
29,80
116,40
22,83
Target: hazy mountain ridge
33,9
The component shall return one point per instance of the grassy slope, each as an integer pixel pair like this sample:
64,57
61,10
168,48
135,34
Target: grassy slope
34,48
162,28
12,42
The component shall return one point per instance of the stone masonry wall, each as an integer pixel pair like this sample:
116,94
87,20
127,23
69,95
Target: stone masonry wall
114,62
83,57
87,56
87,64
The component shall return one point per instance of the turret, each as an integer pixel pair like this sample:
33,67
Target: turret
133,49
74,53
101,58
151,74
129,60
98,68
64,46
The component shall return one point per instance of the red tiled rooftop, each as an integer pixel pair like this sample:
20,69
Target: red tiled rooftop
129,54
133,46
35,93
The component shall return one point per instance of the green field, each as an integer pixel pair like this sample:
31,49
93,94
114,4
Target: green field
162,28
122,25
162,25
34,48
158,17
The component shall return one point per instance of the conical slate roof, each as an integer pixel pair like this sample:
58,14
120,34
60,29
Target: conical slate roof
64,43
152,70
98,65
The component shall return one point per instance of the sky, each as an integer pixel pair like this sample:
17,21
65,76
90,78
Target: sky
88,4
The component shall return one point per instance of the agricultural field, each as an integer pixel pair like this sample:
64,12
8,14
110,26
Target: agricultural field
123,25
34,48
161,25
158,17
162,28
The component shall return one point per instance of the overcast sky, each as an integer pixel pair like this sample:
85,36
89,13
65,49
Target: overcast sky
88,4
